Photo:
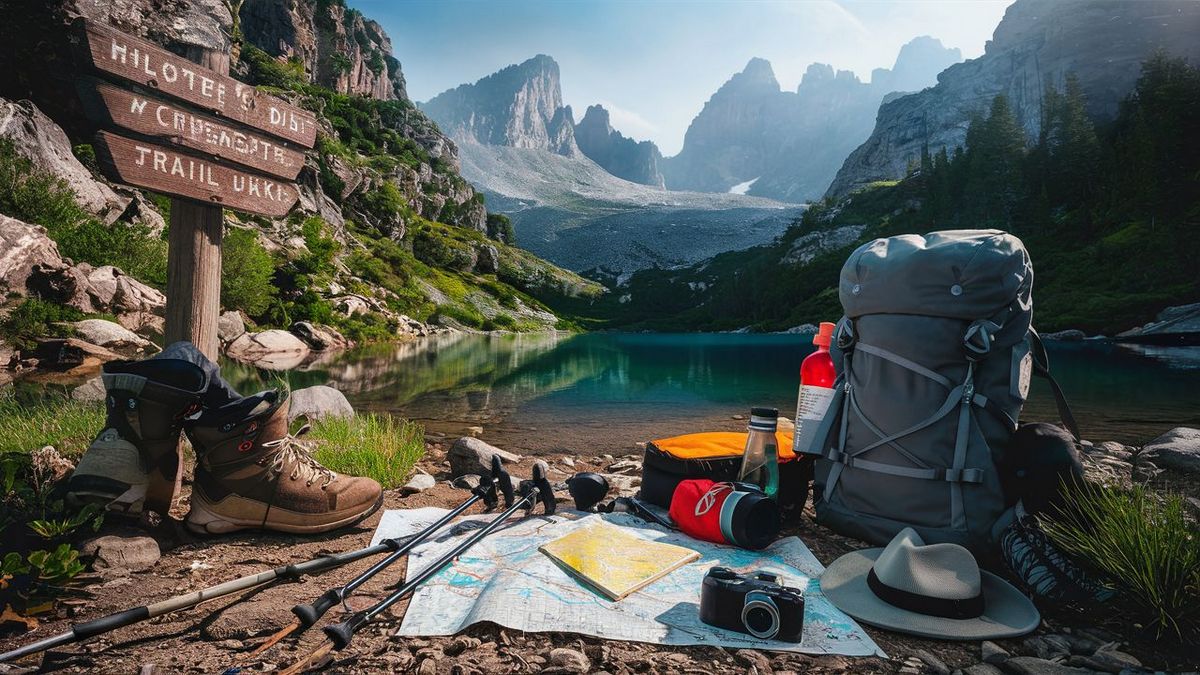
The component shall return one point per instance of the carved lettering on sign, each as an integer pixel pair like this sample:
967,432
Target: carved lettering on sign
170,123
151,66
163,169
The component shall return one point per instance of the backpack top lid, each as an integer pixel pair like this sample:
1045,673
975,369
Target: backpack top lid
959,274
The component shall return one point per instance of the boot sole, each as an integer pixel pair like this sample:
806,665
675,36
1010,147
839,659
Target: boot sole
204,518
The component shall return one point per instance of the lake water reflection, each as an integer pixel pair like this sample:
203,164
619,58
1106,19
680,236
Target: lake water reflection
603,392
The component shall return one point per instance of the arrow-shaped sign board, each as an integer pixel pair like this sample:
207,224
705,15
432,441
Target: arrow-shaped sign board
155,68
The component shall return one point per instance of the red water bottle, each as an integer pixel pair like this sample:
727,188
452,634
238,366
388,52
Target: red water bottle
816,391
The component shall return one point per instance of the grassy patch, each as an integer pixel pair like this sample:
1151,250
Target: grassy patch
1143,544
65,424
374,445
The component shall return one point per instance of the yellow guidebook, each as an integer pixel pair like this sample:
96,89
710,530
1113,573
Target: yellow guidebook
613,561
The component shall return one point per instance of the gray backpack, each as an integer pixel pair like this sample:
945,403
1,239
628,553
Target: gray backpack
934,358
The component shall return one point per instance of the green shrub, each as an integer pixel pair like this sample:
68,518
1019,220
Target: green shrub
35,318
36,196
374,445
1143,545
246,272
269,71
321,248
132,248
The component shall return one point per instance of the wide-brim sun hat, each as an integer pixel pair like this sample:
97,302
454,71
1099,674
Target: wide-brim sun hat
934,590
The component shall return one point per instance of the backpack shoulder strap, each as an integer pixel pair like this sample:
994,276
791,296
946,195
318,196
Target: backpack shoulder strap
1041,368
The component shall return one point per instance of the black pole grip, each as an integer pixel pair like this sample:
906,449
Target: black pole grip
110,622
310,614
340,634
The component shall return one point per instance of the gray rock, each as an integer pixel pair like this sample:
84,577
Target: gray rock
24,248
1047,646
991,652
1107,660
1178,449
1179,320
420,482
1029,665
488,260
270,350
935,664
571,660
230,326
469,481
91,391
114,553
113,336
470,455
983,669
1071,335
319,402
36,136
319,337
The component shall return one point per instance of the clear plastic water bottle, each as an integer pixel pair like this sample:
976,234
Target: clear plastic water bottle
760,461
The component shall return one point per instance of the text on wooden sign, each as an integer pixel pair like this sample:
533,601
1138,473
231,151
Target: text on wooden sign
139,61
159,168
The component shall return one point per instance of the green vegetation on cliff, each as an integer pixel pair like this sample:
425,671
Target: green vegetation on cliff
1109,214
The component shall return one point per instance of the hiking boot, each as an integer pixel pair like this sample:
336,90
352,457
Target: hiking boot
251,473
134,462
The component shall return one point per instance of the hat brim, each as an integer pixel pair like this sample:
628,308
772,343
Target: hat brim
1007,613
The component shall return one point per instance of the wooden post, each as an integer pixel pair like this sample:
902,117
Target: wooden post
194,256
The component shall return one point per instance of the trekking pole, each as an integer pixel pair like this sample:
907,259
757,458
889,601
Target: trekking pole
340,634
308,614
105,624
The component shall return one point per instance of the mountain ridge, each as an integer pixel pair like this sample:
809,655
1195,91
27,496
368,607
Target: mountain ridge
1038,42
751,132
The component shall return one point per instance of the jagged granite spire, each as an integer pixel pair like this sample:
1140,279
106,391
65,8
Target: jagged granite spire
519,106
622,157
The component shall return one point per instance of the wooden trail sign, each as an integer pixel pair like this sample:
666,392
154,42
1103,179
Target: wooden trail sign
164,169
151,66
110,105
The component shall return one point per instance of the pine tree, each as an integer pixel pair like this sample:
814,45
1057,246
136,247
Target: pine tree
995,173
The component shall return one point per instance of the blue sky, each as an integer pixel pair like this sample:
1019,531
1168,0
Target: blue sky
653,63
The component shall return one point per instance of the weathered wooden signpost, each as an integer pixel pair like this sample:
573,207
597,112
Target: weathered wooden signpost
205,139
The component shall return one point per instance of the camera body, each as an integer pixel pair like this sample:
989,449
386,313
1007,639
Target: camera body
755,604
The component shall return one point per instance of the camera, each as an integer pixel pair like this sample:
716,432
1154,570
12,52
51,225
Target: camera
756,604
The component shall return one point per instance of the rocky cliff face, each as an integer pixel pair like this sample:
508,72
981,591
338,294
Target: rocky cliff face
622,157
339,48
519,106
753,137
1103,42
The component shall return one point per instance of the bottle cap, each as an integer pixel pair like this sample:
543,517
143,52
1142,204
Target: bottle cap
824,335
764,412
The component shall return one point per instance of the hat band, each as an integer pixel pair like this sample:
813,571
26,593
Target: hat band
967,608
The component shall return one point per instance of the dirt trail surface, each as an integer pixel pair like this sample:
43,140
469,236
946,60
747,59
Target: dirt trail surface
216,634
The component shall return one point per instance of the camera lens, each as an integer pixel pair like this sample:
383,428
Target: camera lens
760,616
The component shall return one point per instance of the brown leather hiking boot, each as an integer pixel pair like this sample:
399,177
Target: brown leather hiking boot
251,473
134,463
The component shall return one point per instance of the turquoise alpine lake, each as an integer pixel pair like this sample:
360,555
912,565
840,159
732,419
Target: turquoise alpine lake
602,393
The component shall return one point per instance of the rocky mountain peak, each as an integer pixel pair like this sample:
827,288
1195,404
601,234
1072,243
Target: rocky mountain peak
756,77
339,48
622,157
917,59
1037,43
518,106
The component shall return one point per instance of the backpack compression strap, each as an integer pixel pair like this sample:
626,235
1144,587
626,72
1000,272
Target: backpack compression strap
1041,368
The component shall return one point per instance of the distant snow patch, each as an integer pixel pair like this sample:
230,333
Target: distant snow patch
743,188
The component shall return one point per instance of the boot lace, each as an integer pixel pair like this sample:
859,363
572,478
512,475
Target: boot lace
292,451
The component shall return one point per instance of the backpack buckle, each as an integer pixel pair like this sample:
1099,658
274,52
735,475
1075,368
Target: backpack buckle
977,340
845,337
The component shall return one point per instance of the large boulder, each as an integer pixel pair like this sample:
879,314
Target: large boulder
1178,449
319,337
114,291
270,350
230,326
113,336
470,455
24,248
319,402
46,144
